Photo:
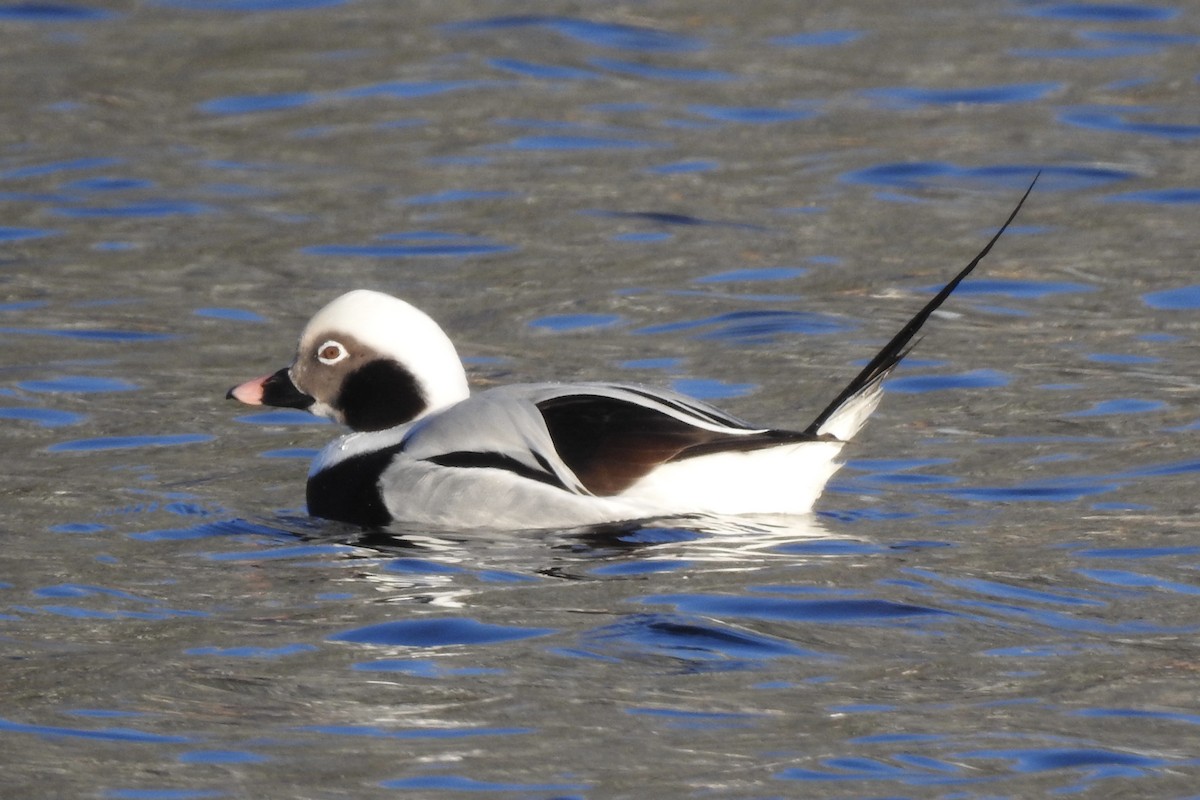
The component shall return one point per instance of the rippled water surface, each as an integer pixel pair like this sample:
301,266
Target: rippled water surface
998,595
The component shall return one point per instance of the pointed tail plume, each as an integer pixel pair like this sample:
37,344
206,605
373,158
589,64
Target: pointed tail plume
850,409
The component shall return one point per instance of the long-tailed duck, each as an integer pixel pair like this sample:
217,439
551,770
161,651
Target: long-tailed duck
425,451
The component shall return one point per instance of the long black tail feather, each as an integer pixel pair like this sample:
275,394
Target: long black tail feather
887,358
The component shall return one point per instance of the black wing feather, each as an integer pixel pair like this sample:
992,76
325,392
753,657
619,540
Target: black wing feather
610,443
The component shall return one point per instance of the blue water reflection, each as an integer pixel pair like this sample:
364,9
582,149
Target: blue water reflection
52,12
461,783
914,174
249,6
1122,119
761,326
549,72
9,234
1102,12
616,36
129,442
688,639
911,97
46,417
123,735
1184,298
415,244
829,38
845,611
439,632
975,379
639,69
1165,197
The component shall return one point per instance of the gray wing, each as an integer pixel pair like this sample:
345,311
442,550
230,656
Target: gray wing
592,438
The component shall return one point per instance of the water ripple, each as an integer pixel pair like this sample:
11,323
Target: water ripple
230,314
248,6
685,166
52,12
77,384
922,384
1127,578
439,632
1161,197
1124,405
46,417
762,326
902,97
611,35
461,783
711,388
1112,51
123,735
415,244
129,442
261,653
751,114
102,602
222,757
775,609
1119,119
150,209
8,234
92,334
671,218
1055,491
225,527
1024,288
549,72
458,196
1138,713
830,38
1094,762
660,73
422,668
1056,758
250,104
562,323
910,175
54,167
1184,298
569,143
1008,591
754,274
377,732
1102,12
1141,37
689,639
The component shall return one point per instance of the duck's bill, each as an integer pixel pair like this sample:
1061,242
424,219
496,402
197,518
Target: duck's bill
275,389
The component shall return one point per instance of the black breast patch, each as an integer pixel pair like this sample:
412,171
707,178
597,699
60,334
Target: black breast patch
349,491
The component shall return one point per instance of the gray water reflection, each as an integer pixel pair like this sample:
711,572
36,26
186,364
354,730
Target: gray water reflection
997,596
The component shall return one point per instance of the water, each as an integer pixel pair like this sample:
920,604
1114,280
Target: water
997,597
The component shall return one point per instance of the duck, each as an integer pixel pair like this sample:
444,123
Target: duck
423,450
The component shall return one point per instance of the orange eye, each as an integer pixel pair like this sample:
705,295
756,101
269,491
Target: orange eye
331,352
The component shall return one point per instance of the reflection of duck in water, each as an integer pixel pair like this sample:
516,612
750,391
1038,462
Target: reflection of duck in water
547,455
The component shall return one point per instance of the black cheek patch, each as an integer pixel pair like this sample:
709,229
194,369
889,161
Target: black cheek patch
380,395
349,490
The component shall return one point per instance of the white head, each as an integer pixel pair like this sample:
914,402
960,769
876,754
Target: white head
368,360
